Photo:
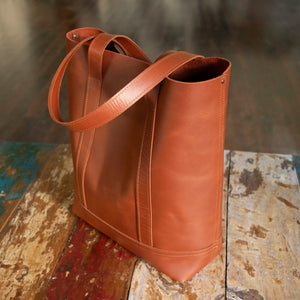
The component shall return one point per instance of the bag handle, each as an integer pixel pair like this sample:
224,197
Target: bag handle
95,56
122,100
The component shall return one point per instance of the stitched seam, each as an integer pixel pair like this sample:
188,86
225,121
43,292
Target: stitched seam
77,168
138,181
78,152
146,187
145,156
219,158
163,252
148,148
87,157
147,167
91,141
220,180
150,167
79,182
149,180
84,159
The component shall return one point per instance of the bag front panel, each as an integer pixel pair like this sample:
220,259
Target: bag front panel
108,186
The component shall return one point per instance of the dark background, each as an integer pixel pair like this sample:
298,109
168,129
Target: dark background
261,38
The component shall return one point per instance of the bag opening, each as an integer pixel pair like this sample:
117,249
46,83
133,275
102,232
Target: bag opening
200,69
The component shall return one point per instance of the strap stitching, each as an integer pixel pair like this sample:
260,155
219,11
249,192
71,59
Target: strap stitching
114,101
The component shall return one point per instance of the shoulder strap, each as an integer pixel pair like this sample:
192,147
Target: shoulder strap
122,100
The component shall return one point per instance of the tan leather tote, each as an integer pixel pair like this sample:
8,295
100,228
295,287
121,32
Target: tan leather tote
147,142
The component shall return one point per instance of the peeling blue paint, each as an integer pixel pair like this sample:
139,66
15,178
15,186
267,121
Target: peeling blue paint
297,165
19,166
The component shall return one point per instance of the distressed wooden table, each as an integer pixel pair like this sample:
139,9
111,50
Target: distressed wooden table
48,253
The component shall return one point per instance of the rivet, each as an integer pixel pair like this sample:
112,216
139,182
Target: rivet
75,36
222,80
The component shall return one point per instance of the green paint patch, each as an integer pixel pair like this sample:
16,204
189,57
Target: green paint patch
19,165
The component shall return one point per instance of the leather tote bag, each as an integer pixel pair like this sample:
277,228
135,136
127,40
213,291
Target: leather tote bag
147,143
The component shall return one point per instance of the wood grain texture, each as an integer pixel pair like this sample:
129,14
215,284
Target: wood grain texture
32,241
263,227
209,283
19,165
92,267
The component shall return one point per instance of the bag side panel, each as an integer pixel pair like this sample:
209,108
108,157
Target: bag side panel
187,163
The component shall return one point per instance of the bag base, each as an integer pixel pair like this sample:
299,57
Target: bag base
179,265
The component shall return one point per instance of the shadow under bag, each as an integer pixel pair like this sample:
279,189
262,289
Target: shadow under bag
147,142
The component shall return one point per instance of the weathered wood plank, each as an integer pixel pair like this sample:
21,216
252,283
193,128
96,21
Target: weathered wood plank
33,239
92,267
263,227
209,283
19,165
